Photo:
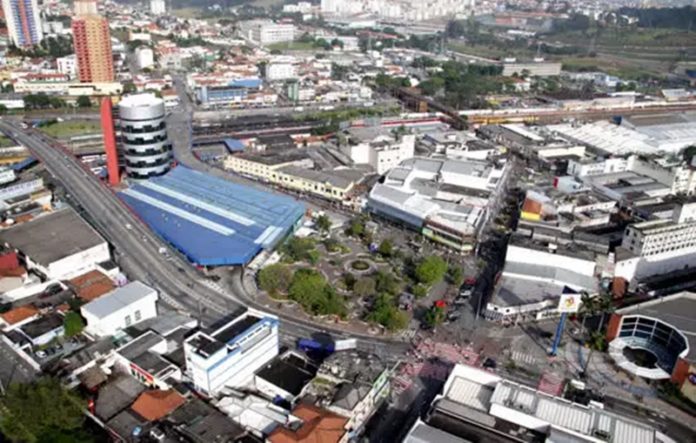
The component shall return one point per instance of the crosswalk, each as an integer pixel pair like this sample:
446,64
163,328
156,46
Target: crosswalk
523,357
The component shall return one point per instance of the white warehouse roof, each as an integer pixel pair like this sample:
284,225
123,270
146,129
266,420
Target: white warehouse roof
118,299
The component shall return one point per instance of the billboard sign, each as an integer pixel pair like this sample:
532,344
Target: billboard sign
569,303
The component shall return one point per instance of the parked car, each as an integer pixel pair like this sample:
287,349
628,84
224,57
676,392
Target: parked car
53,289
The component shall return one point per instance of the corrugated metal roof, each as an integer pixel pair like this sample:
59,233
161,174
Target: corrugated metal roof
118,299
469,393
212,221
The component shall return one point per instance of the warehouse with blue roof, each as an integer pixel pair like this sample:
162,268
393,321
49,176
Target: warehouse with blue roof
212,221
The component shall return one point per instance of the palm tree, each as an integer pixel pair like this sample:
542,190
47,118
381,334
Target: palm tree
588,307
605,305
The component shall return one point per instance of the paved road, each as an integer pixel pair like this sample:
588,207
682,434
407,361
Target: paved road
137,249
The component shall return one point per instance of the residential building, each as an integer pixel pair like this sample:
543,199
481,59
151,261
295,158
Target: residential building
316,424
144,143
67,65
92,41
280,71
119,309
158,7
231,354
23,22
144,57
43,330
147,359
267,32
58,245
68,88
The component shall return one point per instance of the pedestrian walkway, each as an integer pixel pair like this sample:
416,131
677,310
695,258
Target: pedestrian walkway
524,358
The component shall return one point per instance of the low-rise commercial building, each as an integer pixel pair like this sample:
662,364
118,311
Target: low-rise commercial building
230,355
57,245
267,32
123,307
378,147
445,200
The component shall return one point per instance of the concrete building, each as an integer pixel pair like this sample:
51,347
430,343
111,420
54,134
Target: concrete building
92,41
144,57
58,245
231,354
280,71
659,327
158,7
379,148
119,309
67,65
68,88
534,277
445,200
534,69
267,32
144,143
658,246
478,405
23,22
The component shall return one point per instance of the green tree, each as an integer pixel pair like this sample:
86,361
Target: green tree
129,88
3,109
434,316
43,407
431,270
73,324
365,287
323,223
420,291
298,249
386,248
387,283
310,289
275,278
456,275
83,101
356,228
385,313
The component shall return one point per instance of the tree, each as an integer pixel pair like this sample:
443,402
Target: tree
365,287
385,313
73,324
275,278
387,283
420,291
323,223
386,248
298,249
129,88
38,409
431,270
84,102
434,316
456,275
310,289
3,109
356,228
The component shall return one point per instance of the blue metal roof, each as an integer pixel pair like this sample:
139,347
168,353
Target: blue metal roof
24,164
210,220
251,83
233,145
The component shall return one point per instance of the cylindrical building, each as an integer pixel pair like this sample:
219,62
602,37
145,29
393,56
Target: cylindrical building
144,143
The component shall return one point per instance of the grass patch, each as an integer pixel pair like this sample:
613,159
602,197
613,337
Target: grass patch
67,129
6,142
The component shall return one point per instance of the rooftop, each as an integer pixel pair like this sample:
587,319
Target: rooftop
339,178
140,345
19,314
210,220
42,325
318,426
91,285
116,395
118,299
204,424
289,373
53,236
157,404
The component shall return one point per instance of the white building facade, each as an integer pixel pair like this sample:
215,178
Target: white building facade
119,309
233,353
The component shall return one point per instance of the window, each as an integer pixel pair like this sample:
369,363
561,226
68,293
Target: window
128,320
137,315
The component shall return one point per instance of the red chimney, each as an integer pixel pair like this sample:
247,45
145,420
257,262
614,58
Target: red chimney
107,122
